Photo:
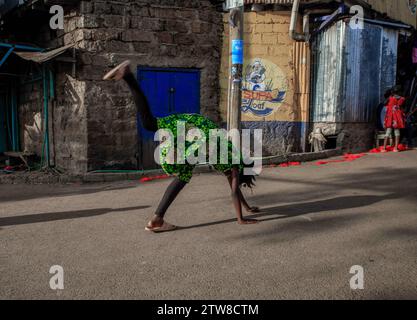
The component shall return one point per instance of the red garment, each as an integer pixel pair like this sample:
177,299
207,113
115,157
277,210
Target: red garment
395,117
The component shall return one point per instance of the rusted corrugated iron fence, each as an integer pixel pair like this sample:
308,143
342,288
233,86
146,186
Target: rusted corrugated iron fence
352,70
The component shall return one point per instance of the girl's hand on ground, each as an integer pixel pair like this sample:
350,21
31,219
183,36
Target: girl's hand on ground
248,221
253,210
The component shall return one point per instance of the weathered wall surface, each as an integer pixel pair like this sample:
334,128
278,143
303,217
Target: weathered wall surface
402,10
275,88
30,117
94,122
69,112
68,129
181,34
351,137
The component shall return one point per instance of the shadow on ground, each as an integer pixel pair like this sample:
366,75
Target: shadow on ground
402,182
301,209
65,215
27,192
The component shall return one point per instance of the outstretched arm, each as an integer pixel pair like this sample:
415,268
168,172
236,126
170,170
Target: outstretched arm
237,198
245,204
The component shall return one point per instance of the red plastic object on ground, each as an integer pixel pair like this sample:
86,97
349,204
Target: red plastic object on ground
402,147
146,179
289,164
283,165
346,158
351,157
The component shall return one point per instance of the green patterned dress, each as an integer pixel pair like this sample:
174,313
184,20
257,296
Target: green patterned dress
184,171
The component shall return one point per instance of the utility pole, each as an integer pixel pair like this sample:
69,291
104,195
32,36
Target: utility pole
236,20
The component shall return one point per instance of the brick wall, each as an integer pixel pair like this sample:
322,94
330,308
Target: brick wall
266,37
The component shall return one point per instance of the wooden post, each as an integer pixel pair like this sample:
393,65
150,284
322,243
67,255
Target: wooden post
236,19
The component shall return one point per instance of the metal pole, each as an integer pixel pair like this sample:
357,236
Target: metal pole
46,115
8,53
236,19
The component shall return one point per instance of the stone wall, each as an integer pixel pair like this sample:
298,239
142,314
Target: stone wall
351,137
67,112
180,34
94,122
30,117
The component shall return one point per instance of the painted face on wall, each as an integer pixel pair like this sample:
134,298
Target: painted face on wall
264,87
257,75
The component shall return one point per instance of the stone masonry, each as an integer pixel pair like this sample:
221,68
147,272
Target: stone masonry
95,121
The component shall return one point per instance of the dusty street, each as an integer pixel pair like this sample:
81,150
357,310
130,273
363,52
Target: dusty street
317,222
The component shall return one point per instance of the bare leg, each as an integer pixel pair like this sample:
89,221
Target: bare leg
237,198
387,136
397,143
122,71
245,204
170,194
385,143
149,122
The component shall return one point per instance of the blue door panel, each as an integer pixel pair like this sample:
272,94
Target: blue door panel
152,84
169,91
187,92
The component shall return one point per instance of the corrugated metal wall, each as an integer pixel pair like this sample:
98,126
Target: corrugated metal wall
352,70
402,10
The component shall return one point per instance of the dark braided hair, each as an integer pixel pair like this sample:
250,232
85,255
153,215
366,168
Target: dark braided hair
247,181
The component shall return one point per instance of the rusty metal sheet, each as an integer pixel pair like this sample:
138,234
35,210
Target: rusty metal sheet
41,57
352,70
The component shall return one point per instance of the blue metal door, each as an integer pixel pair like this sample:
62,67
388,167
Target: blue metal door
169,91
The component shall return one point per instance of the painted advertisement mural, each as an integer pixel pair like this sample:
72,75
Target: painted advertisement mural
264,87
412,4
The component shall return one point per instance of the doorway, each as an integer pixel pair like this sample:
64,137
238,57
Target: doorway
169,91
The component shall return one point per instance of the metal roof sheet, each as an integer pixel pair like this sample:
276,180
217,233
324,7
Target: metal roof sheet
41,57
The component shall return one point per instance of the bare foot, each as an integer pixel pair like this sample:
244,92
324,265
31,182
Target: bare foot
118,72
156,222
253,210
247,221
